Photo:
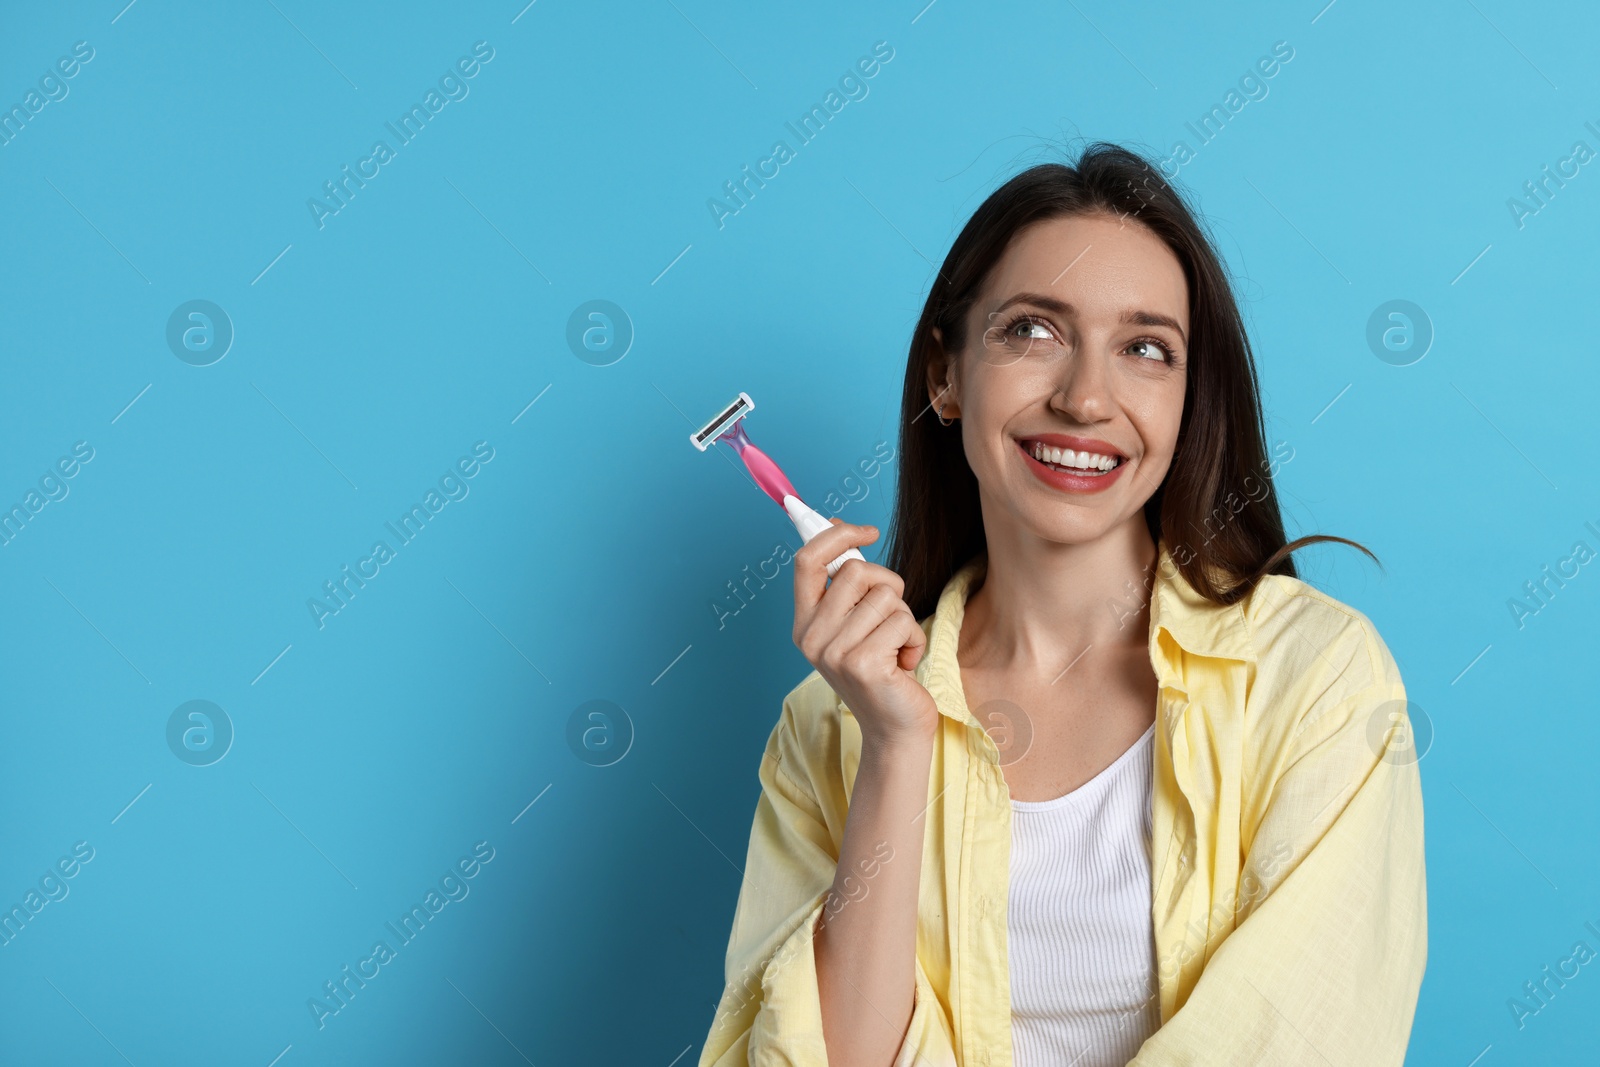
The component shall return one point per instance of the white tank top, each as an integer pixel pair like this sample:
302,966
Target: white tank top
1080,936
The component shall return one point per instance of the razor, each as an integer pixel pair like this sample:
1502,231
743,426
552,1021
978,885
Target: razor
728,427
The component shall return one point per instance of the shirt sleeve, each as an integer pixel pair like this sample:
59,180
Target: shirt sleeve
1324,965
770,1012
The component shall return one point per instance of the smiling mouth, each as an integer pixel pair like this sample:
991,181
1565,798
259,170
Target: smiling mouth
1066,460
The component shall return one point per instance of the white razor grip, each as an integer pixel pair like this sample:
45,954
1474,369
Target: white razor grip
810,524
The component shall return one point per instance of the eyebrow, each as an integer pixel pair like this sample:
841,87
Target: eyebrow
1130,317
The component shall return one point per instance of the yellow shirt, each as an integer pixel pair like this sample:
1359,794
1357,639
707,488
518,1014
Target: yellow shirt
1289,898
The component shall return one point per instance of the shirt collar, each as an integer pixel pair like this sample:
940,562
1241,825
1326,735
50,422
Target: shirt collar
1195,625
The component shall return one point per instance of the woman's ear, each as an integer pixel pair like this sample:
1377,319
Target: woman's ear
941,377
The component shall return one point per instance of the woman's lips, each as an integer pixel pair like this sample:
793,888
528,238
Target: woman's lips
1067,481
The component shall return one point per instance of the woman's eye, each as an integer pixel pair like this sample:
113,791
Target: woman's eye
1027,325
1151,350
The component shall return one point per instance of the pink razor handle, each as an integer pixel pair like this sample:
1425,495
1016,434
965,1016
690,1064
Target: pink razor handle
773,482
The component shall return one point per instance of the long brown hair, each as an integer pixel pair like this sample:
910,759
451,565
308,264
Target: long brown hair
1220,452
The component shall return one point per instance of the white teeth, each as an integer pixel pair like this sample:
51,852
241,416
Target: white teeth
1066,457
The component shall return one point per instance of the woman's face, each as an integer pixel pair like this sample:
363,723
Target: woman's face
1079,342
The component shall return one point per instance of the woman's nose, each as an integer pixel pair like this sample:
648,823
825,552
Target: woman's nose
1083,388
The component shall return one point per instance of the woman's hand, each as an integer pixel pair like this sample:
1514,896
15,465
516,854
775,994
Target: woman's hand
861,637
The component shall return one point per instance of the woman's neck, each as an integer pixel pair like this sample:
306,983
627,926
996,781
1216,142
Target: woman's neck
1043,603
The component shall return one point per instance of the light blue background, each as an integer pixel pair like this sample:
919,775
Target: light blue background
583,565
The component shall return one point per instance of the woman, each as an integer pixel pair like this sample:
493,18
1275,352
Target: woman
1129,791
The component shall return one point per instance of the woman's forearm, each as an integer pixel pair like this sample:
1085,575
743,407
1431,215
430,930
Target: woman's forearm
866,937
